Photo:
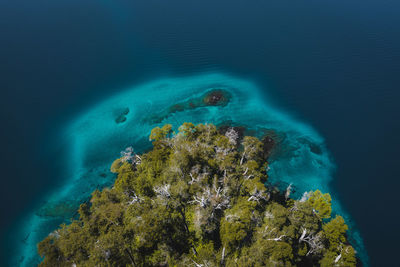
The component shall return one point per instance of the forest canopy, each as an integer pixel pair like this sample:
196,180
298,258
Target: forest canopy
199,198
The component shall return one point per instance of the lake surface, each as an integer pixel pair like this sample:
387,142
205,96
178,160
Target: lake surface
333,65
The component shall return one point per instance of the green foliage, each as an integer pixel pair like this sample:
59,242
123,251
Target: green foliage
338,252
198,198
116,165
237,225
187,129
335,231
321,203
344,258
158,133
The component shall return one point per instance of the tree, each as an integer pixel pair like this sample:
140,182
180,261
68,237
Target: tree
198,198
321,204
335,231
158,133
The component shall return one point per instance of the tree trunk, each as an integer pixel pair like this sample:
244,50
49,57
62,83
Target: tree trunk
131,257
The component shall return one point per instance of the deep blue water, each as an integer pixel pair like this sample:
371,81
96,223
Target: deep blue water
332,64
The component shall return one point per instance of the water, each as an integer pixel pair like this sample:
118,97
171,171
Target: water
332,65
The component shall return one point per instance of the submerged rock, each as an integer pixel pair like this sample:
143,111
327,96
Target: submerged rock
268,145
216,97
314,148
59,209
122,116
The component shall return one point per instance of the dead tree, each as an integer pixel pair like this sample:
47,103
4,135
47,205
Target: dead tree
314,242
258,195
128,155
163,190
288,191
269,233
134,199
232,136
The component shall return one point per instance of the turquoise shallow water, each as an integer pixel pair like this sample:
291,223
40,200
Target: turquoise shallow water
94,139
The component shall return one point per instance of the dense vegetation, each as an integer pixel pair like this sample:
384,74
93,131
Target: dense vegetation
198,198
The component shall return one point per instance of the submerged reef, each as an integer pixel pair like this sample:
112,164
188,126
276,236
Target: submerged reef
57,209
199,197
215,97
93,139
121,116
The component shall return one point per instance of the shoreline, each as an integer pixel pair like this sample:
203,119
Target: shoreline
98,128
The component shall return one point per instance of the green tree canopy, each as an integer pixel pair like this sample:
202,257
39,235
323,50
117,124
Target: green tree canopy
199,198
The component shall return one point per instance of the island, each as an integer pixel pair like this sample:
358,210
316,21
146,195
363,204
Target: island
200,197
